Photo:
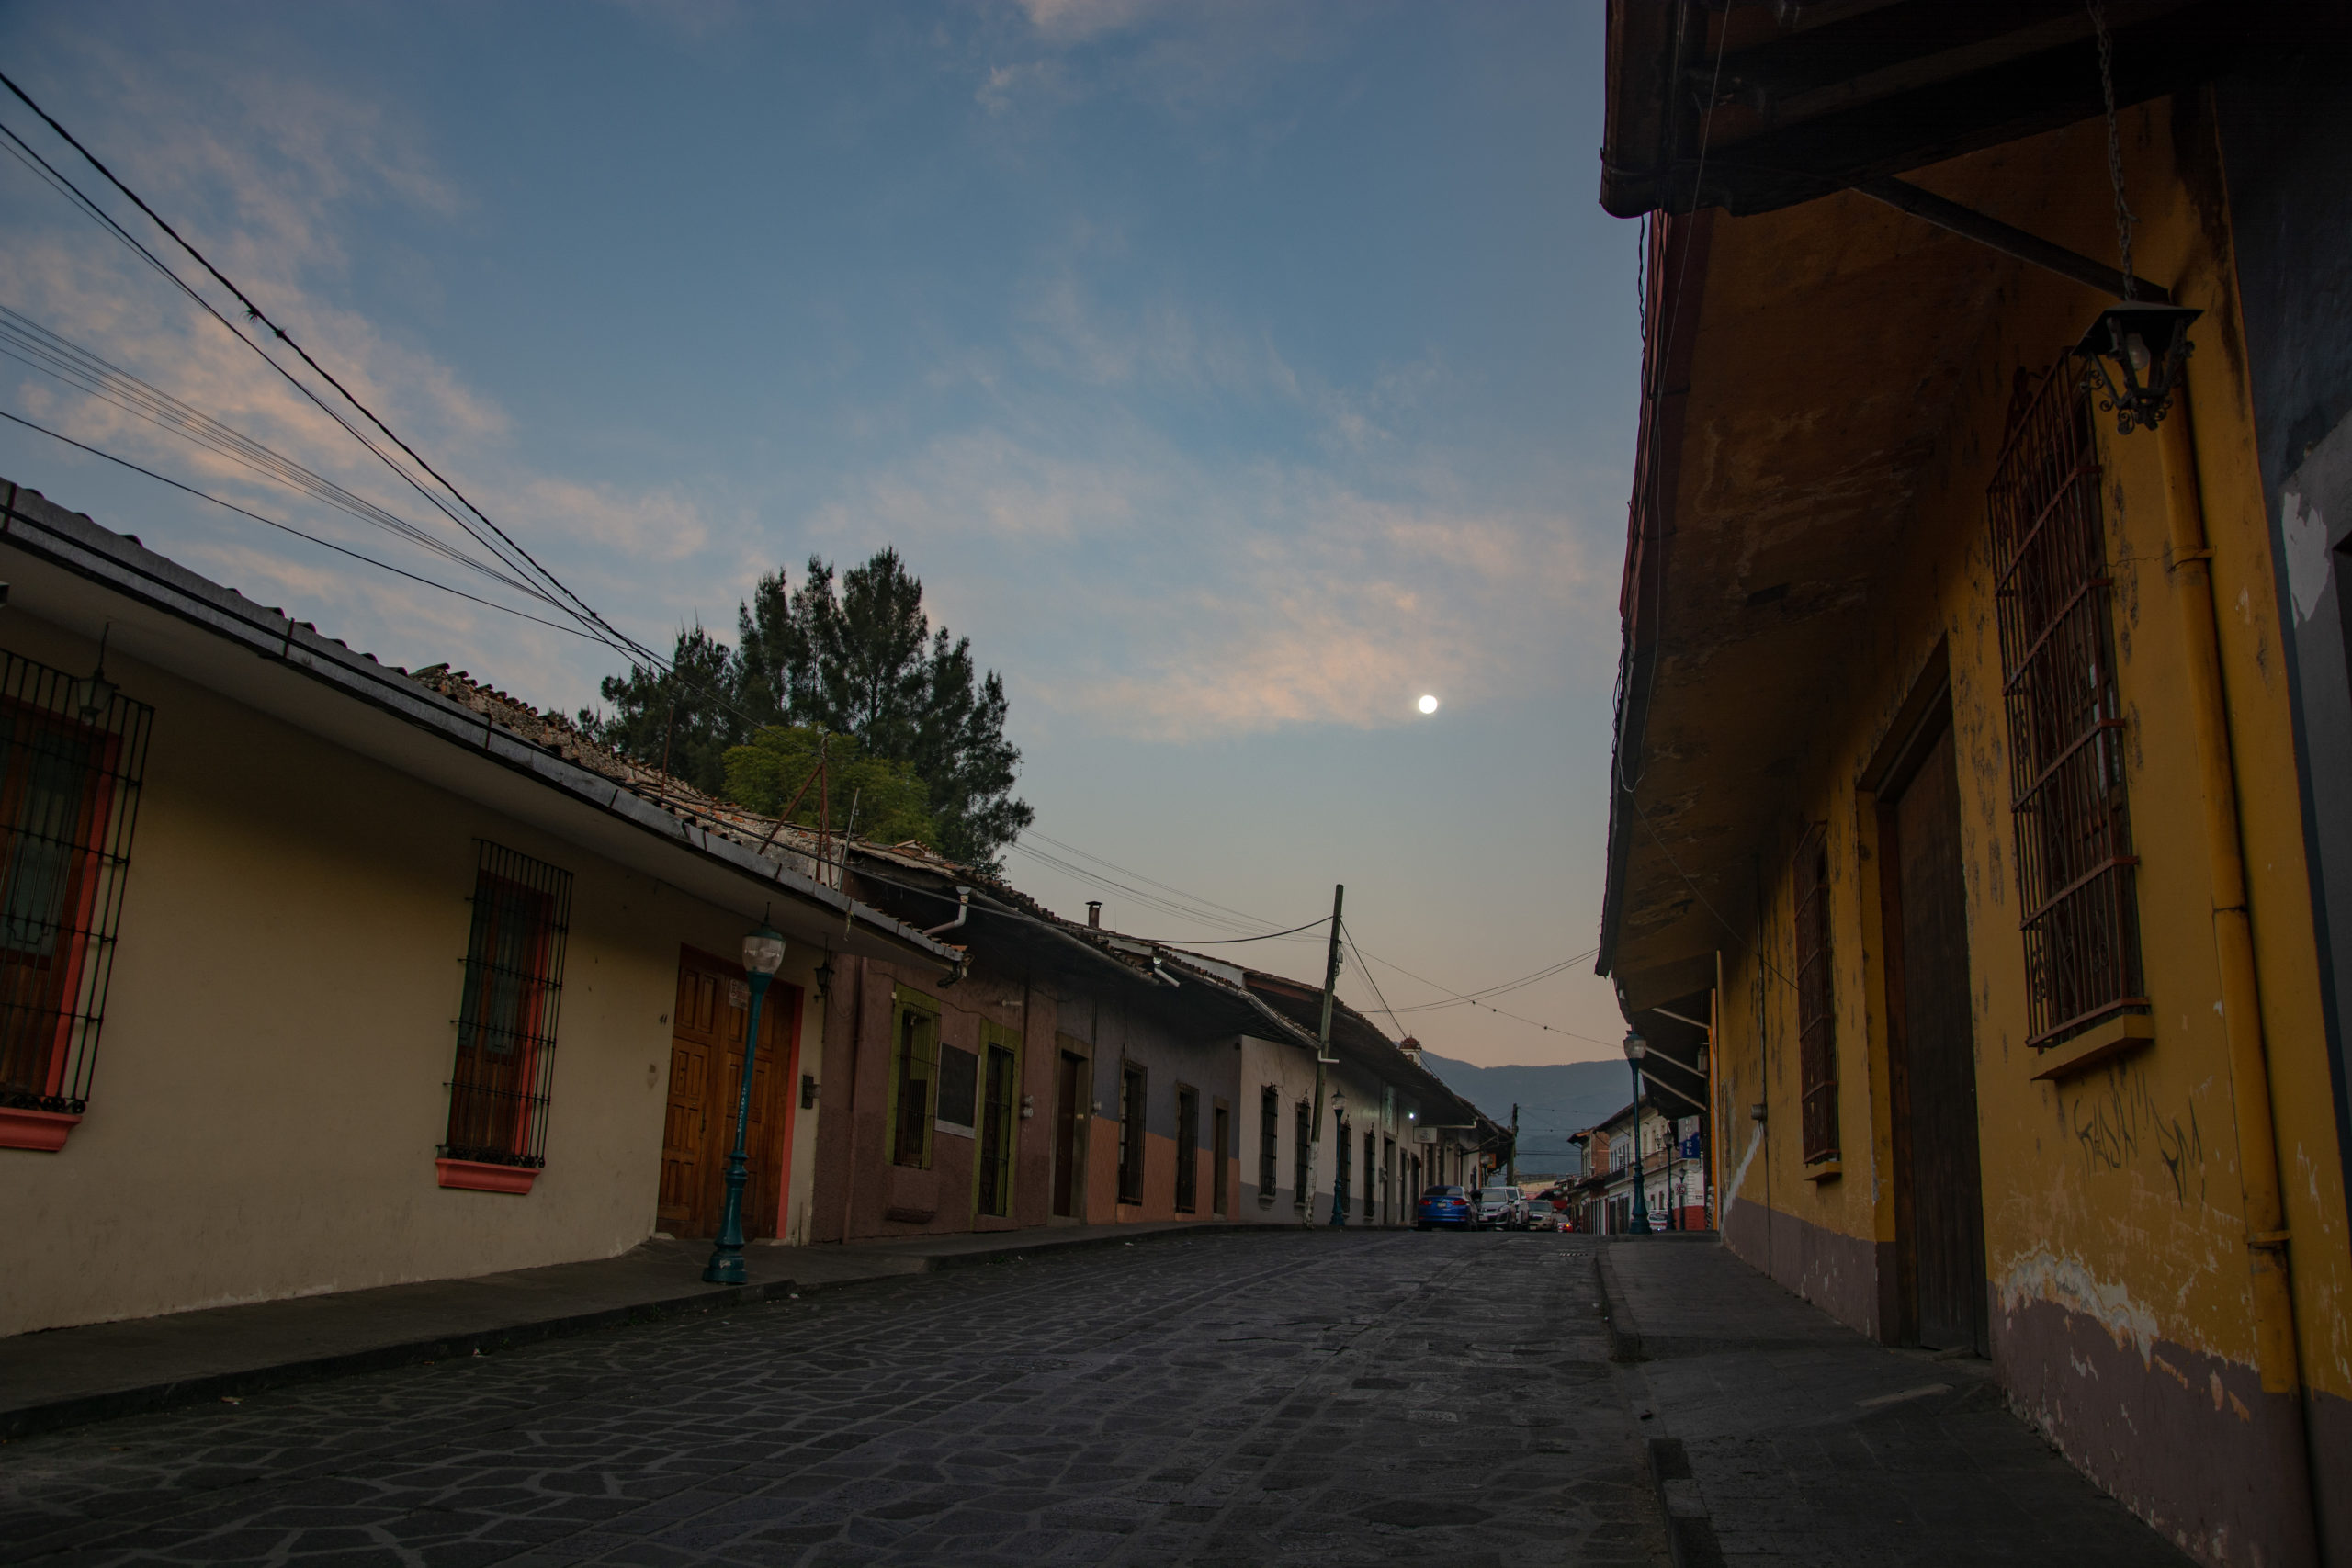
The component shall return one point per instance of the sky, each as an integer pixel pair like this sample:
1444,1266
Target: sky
1232,374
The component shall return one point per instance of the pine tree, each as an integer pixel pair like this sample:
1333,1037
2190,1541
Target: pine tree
857,657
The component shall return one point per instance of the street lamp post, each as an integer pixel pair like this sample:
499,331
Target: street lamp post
1636,1049
763,957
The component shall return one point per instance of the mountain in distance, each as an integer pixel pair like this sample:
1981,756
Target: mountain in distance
1554,1101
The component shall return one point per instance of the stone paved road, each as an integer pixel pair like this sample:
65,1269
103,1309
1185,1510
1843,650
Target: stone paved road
1243,1398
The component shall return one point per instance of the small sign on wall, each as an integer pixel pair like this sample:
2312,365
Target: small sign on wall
739,995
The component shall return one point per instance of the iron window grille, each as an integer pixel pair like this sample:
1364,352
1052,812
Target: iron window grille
76,753
1131,1105
2075,866
1302,1154
913,1081
997,1125
1270,1132
1816,1021
1188,1148
506,1018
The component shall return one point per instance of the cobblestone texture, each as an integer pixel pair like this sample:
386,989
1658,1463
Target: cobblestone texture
1333,1398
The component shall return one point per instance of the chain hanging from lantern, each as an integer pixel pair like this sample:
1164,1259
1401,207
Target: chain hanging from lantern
2136,350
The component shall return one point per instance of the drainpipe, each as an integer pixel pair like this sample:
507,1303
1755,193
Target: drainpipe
2266,1219
963,912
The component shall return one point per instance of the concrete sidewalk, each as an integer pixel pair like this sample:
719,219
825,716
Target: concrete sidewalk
1778,1436
65,1376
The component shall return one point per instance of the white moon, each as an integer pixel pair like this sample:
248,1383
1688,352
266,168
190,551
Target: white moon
1426,705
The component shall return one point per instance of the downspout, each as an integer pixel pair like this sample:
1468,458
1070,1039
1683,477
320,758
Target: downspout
2251,1092
963,912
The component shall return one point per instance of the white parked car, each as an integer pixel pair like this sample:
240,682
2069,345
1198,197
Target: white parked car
1502,1208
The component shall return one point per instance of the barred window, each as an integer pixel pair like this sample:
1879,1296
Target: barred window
506,1017
1269,1132
914,1080
1188,1148
75,750
1131,1105
2076,868
1816,1022
1302,1155
1000,1081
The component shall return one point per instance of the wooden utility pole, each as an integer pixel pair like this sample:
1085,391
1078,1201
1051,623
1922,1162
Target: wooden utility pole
1514,1142
1323,1058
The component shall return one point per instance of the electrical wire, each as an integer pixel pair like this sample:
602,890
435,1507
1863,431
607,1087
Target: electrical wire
1547,1028
289,528
1489,992
25,154
1165,887
30,343
254,312
1366,969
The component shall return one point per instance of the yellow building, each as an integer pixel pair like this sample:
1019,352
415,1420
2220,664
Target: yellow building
1965,771
317,975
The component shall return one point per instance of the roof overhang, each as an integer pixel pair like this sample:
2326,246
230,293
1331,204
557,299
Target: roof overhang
66,569
1753,107
1806,365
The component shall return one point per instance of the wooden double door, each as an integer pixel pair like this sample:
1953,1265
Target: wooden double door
1939,1201
707,1030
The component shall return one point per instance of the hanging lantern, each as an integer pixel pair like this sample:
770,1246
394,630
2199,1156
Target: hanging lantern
2137,352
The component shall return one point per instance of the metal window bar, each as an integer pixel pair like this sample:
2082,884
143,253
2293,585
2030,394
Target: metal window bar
506,1017
1270,1109
75,754
1816,1021
1302,1154
2076,866
1131,1115
1188,1149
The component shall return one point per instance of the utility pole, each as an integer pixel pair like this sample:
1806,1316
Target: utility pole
1323,1057
1514,1142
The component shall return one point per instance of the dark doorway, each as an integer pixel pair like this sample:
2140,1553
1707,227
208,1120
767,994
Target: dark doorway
1939,1203
1070,1116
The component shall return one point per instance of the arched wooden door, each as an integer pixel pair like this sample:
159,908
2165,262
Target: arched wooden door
706,1076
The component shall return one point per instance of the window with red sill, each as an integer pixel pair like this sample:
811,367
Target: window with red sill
506,1023
72,750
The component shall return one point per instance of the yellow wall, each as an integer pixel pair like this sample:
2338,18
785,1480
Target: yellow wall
2113,1210
271,1081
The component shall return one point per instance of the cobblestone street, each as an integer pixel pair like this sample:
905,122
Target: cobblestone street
1245,1398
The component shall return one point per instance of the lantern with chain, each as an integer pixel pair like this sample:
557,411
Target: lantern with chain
2136,350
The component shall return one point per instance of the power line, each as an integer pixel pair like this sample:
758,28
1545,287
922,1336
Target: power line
1549,1029
1350,938
289,528
28,343
255,314
74,194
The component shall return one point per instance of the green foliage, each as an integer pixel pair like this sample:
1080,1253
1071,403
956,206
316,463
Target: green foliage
856,656
680,718
779,764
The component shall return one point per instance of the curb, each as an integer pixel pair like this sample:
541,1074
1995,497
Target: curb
1617,1314
1689,1528
82,1409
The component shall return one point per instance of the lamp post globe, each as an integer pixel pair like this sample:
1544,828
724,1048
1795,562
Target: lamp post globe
1636,1049
763,957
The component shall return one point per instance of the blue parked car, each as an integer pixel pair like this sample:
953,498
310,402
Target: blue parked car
1446,1206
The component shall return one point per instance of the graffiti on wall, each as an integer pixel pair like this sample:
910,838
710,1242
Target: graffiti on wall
2118,1123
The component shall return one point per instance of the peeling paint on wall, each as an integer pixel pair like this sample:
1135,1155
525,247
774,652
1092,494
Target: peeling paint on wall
2043,1276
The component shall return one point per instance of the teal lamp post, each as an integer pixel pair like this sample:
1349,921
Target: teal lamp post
763,957
1636,1049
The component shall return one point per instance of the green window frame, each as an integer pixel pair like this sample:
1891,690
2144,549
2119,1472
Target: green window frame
998,1132
914,1076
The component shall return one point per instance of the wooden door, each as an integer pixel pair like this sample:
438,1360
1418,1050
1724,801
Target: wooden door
1070,1118
705,1078
1939,1202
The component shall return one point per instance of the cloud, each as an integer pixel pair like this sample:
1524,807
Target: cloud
1163,597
